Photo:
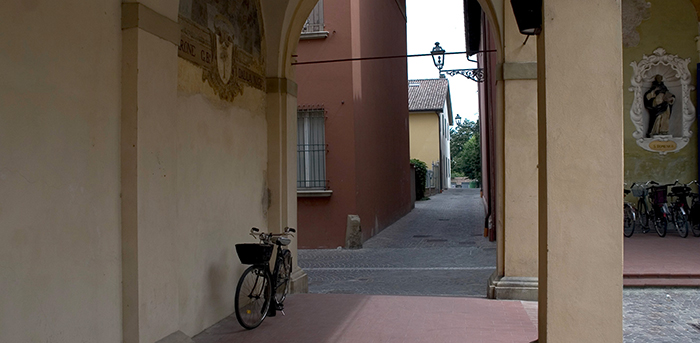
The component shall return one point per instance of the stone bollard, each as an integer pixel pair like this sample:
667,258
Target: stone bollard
353,233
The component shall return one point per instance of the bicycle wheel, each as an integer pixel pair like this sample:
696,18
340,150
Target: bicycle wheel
629,222
642,216
681,221
695,220
284,272
696,229
660,224
253,297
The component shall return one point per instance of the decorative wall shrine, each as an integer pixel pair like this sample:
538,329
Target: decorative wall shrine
662,111
226,39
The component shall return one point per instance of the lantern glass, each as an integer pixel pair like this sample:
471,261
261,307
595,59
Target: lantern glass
438,54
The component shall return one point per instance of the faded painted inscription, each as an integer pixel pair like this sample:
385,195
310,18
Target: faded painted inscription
226,39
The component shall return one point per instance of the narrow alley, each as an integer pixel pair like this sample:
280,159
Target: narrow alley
437,249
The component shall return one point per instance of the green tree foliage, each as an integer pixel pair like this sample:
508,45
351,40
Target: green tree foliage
465,150
421,171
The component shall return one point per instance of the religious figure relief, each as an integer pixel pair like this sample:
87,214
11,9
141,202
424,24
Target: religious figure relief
658,100
226,39
661,111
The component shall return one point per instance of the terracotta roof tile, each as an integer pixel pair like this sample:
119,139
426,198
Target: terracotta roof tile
427,95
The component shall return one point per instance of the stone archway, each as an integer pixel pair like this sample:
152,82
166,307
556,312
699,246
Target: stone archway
574,268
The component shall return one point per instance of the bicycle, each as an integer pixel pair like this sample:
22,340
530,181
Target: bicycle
641,192
659,213
630,216
255,296
694,213
680,208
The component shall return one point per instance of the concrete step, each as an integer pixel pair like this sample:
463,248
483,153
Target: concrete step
661,280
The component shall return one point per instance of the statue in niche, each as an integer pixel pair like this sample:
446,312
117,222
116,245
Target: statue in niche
658,100
662,112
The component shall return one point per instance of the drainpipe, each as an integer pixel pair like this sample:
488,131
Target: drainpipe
440,153
486,153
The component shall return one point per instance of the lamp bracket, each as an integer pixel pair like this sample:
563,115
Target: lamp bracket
472,74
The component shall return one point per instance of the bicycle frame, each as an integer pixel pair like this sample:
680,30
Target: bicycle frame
280,241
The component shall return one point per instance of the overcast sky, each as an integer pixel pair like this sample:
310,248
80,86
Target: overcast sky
431,21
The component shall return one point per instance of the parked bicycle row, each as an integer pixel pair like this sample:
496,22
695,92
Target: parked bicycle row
657,208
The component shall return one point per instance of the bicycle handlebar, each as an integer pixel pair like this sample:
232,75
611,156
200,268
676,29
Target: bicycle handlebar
266,237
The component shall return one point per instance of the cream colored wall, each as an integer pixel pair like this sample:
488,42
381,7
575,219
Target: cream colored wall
520,178
60,268
424,136
204,172
221,192
580,154
520,151
148,172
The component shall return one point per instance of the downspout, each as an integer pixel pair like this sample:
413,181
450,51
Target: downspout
490,231
439,152
487,138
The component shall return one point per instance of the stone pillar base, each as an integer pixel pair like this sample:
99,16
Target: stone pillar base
512,288
300,282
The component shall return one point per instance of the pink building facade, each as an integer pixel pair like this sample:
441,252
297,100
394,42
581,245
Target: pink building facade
364,105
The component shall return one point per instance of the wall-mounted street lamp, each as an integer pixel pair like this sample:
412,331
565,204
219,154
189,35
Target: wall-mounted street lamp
459,120
438,54
528,15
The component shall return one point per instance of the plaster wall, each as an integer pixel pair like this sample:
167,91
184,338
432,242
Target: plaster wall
445,163
672,25
366,164
520,232
382,153
153,188
60,257
520,155
221,192
581,154
424,136
194,182
322,221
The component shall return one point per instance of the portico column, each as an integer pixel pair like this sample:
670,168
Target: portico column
281,166
150,38
580,171
517,275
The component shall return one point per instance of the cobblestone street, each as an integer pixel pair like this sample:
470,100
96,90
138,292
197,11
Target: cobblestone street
438,250
661,315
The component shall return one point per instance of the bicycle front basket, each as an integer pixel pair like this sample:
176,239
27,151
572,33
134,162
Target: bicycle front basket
253,253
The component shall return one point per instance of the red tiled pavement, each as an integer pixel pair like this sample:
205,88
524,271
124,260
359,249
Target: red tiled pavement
345,318
651,260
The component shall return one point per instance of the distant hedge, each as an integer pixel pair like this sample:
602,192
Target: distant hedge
421,171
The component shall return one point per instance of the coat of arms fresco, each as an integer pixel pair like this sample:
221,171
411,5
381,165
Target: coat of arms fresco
226,39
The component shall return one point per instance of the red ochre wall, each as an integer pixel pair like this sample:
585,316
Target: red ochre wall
366,106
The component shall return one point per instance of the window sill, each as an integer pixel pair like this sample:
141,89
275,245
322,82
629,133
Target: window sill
314,193
314,35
